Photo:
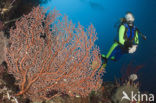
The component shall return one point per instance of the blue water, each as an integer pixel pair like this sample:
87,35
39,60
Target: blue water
103,14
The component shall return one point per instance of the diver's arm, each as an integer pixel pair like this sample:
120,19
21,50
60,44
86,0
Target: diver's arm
136,38
121,34
134,47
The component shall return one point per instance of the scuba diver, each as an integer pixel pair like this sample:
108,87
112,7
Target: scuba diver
127,40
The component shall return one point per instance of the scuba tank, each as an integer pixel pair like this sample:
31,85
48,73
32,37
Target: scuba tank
120,22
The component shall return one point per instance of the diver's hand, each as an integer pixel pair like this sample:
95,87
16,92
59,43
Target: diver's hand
132,49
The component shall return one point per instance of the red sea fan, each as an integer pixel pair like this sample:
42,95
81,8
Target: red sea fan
129,69
48,54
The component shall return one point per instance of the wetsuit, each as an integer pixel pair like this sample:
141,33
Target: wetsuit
128,36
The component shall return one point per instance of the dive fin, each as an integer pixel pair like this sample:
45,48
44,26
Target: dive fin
103,66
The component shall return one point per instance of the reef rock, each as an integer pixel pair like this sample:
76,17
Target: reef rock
2,47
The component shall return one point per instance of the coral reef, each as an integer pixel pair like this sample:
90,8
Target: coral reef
127,88
102,95
11,10
52,61
109,92
50,57
3,44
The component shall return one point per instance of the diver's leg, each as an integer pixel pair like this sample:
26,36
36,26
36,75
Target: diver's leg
111,50
108,54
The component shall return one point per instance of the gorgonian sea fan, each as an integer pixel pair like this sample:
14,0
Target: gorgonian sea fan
48,54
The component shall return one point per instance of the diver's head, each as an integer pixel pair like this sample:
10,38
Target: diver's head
129,18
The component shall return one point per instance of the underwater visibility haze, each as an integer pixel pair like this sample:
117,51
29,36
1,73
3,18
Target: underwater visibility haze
104,14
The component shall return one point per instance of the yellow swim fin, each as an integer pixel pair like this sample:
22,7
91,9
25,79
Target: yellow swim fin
103,67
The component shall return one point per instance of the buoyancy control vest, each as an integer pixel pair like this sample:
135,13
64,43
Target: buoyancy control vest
130,33
129,37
